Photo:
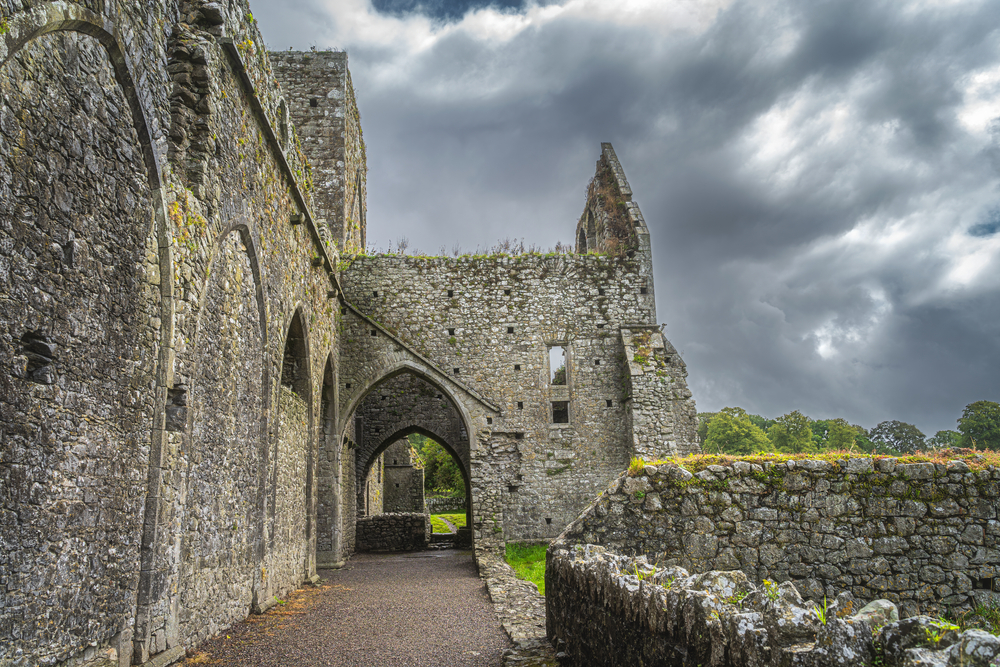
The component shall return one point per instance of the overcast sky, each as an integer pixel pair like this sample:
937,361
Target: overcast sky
820,178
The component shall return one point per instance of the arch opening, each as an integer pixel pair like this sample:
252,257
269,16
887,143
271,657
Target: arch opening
393,409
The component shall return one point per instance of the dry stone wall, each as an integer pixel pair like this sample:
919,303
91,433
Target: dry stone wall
609,610
922,535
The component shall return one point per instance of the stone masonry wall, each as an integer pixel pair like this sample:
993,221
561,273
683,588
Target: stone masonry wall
322,105
393,532
608,610
922,535
489,322
79,336
156,240
404,483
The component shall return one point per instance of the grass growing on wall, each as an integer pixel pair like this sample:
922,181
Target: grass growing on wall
528,561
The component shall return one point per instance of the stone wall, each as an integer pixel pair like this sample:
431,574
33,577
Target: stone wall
321,103
404,483
489,322
922,535
445,505
79,338
393,532
608,610
156,246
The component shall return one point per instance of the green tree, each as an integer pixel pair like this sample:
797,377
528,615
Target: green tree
841,435
441,472
945,440
730,431
703,419
980,425
791,433
896,437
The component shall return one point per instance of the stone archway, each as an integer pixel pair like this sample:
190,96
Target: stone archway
402,404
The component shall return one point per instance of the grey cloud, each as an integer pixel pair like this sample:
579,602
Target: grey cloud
481,141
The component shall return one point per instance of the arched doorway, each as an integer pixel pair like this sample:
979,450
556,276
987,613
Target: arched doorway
392,409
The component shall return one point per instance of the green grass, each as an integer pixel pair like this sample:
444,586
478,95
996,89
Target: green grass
528,561
439,526
982,617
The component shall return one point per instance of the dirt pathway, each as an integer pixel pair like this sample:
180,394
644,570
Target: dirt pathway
421,609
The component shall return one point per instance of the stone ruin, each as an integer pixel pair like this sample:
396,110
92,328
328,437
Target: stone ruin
670,567
201,366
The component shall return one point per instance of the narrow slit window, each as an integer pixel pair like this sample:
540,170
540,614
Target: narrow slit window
557,365
560,412
489,420
520,405
451,292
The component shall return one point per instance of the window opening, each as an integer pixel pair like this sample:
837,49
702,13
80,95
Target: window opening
557,365
597,362
489,420
548,521
560,412
506,292
600,291
451,292
510,329
520,405
374,332
517,367
609,403
314,103
643,290
451,332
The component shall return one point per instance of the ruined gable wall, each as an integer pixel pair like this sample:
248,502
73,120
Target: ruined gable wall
578,300
922,535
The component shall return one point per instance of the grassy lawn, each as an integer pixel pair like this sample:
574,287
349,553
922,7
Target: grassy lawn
528,561
439,526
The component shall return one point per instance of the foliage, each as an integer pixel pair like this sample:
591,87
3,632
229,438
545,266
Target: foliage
943,439
791,433
441,472
730,431
635,466
528,561
980,425
703,419
821,614
896,437
981,617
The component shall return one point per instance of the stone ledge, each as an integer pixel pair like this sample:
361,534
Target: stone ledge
521,610
168,657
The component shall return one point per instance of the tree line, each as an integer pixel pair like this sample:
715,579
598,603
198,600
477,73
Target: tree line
442,475
734,431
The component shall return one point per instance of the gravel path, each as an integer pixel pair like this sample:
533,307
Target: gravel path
421,609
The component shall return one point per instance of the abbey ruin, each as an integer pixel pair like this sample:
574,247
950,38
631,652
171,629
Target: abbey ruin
201,366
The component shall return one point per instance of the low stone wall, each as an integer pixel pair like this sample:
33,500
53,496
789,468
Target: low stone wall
445,505
922,535
393,532
609,610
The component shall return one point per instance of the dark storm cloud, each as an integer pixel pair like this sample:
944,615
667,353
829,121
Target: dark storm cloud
820,178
